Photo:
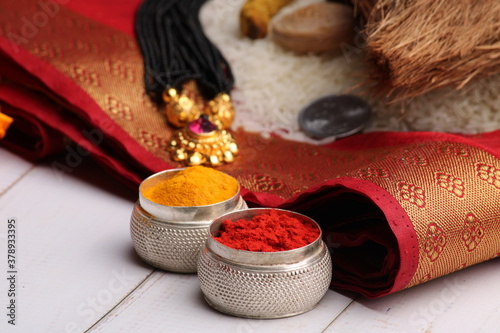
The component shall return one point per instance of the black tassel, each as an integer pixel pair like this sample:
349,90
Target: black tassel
175,49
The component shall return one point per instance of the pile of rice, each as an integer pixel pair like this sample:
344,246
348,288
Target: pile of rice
272,85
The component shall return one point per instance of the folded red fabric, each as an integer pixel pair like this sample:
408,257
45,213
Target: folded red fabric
396,209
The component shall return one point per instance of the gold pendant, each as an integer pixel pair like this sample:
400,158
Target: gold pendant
200,143
203,137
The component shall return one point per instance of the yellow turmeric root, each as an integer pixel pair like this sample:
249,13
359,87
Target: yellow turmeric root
256,14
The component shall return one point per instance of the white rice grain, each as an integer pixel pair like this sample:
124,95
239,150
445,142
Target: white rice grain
272,85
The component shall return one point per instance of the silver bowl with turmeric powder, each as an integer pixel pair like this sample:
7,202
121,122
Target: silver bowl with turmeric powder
256,282
170,221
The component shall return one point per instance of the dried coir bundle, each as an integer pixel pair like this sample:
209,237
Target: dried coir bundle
415,46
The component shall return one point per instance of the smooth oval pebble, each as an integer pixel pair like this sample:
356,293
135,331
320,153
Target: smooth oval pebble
334,116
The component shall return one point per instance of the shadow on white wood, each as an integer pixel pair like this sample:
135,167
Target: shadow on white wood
171,302
465,301
12,168
75,260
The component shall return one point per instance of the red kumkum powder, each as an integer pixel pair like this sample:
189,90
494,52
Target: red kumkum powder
271,232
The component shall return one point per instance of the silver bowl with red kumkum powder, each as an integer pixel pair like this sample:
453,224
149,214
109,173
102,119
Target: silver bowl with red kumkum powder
171,237
257,284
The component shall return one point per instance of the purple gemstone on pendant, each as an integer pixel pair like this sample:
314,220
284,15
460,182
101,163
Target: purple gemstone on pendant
202,125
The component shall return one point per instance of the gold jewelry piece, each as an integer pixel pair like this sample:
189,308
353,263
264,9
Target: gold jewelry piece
201,142
221,110
203,137
181,109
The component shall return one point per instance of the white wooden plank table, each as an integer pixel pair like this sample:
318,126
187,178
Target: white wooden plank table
77,271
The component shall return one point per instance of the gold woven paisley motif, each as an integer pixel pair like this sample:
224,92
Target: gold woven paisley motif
449,199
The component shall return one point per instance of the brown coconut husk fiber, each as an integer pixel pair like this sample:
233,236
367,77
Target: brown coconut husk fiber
415,46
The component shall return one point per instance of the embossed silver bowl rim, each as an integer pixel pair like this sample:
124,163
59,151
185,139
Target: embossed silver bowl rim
300,255
185,214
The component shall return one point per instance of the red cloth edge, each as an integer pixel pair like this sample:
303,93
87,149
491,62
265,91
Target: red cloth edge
120,19
489,141
80,100
398,221
29,107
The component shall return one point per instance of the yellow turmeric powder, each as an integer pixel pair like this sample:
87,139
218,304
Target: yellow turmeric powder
193,186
